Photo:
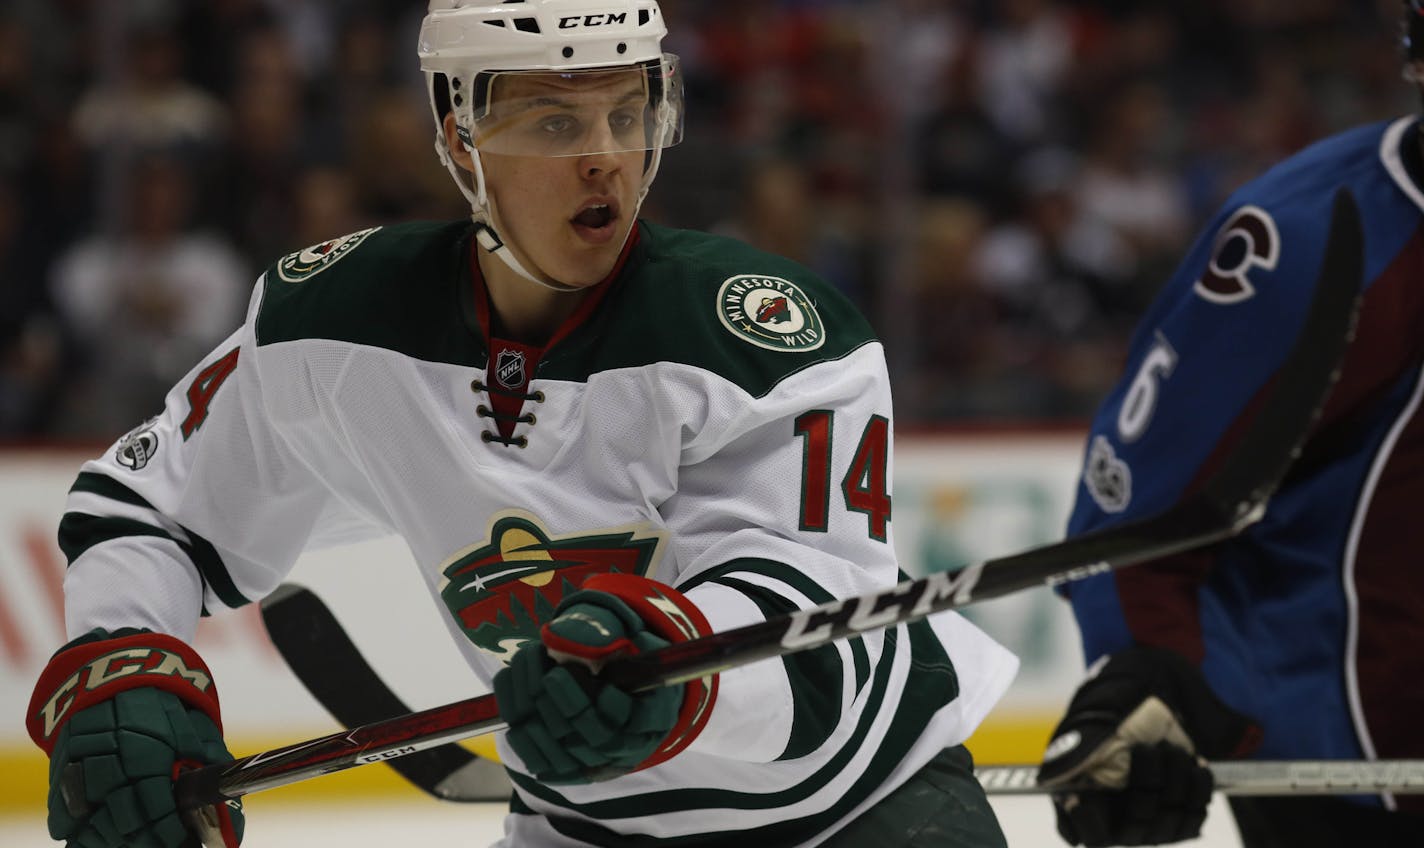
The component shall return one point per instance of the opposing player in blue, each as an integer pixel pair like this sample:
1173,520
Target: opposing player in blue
1301,638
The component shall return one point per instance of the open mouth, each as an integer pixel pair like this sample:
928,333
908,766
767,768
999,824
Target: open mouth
595,216
596,220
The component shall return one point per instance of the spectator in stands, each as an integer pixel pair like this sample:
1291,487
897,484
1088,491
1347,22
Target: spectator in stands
151,105
146,300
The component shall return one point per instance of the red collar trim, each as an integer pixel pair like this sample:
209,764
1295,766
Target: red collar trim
596,292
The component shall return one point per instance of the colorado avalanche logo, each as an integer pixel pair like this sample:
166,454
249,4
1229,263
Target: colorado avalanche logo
1247,241
310,261
501,591
138,446
770,312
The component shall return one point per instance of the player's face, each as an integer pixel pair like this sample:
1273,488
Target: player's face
567,208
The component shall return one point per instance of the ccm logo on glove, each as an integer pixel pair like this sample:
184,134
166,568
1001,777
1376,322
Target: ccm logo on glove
88,673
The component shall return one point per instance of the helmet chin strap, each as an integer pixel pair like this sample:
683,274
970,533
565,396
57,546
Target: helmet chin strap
494,246
488,239
483,212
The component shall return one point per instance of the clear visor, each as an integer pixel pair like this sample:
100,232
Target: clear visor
580,113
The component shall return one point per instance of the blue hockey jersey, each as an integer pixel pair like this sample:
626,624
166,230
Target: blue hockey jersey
1312,622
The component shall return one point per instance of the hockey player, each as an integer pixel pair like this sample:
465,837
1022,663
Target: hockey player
1299,639
596,434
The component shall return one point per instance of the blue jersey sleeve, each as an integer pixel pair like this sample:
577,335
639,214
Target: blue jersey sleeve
1199,366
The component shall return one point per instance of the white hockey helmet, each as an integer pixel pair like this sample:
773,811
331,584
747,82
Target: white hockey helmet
467,45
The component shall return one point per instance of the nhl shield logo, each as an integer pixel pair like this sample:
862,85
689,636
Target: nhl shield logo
770,312
509,369
310,261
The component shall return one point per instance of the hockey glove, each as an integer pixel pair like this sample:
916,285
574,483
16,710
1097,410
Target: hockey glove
120,715
1139,727
566,724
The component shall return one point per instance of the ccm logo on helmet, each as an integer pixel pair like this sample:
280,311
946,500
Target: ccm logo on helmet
577,21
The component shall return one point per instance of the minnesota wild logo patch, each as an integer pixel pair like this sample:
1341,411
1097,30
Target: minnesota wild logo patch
310,261
503,589
770,312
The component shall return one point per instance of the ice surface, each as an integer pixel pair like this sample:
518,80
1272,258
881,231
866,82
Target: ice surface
1028,822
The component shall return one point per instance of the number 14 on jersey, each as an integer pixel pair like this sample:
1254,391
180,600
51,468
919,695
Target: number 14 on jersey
864,484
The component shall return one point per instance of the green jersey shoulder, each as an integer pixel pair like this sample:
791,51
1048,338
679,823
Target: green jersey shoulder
392,287
681,296
719,304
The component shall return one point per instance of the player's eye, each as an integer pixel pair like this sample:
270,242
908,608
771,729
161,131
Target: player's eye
556,125
622,122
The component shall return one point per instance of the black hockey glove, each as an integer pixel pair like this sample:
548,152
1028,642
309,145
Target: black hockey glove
1140,727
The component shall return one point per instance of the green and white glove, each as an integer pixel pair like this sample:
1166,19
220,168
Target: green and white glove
567,725
120,715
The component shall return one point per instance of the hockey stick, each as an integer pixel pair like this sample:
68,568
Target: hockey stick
1251,777
322,656
1234,498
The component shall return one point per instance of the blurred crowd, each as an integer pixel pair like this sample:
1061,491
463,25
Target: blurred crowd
1002,185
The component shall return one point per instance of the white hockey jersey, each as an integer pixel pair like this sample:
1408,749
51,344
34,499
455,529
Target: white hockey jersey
714,417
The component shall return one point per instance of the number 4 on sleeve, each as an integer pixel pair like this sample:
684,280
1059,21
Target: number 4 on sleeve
202,389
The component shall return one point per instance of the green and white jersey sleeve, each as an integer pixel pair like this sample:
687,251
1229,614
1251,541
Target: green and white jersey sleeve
717,419
203,507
